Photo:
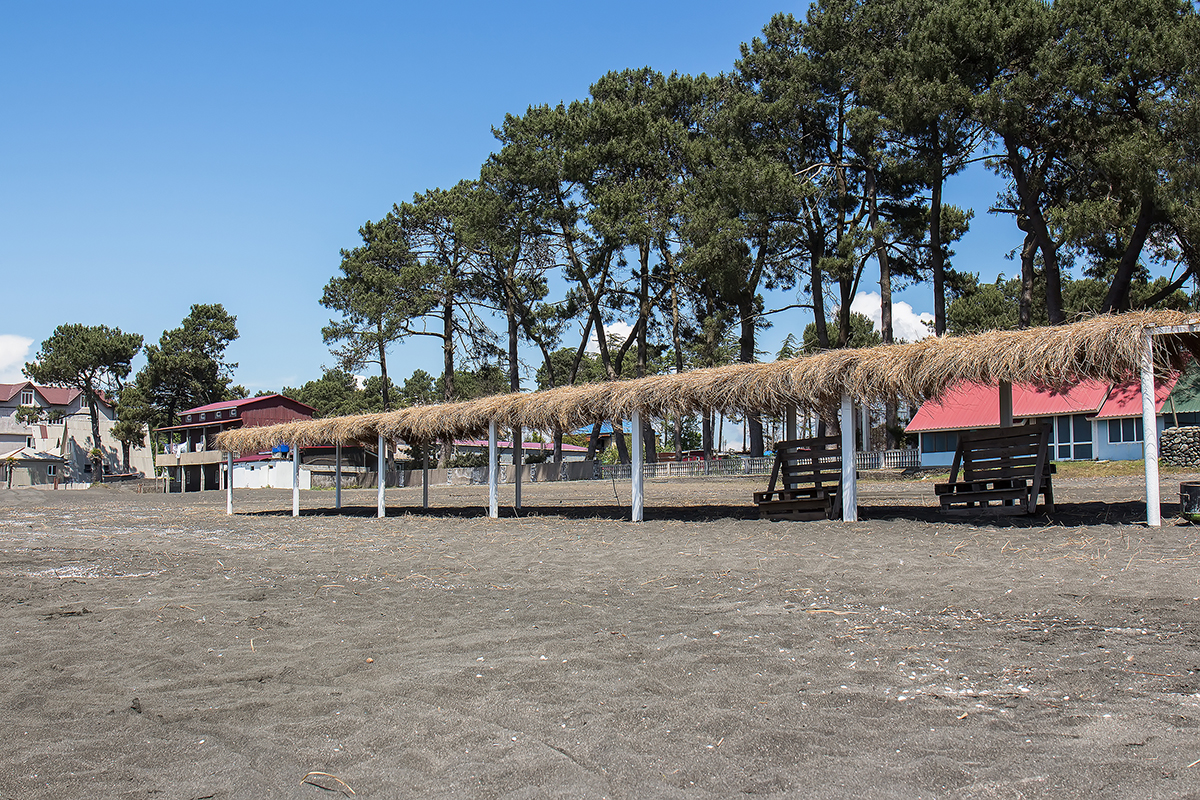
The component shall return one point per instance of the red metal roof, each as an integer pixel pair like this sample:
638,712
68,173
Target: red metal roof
243,402
1126,400
973,405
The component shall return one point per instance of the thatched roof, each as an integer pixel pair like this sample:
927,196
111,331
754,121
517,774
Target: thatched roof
1106,347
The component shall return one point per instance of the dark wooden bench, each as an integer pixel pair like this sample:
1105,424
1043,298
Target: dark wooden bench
1003,472
806,481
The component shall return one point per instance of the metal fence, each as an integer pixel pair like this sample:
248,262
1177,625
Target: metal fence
877,459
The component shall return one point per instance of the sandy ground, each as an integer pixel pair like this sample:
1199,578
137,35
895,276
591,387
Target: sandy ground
153,647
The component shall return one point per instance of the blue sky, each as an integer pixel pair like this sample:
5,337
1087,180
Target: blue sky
156,155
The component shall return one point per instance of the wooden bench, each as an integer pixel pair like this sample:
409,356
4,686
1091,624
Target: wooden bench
806,481
1003,472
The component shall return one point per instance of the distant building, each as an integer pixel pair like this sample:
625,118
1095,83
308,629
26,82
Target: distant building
187,450
68,437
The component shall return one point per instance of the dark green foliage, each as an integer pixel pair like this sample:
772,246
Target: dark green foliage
187,367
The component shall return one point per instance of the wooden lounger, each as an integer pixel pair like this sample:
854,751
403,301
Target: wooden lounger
806,481
1003,472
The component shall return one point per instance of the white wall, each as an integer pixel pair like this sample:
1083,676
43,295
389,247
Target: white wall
276,474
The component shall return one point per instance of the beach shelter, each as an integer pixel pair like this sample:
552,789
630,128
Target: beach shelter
1112,348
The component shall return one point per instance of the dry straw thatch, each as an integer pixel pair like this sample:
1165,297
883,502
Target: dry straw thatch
1107,348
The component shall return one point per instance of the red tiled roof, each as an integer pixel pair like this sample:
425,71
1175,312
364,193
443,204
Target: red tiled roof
1126,400
973,405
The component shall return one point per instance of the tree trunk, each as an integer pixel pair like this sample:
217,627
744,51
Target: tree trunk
746,356
1117,298
1033,211
448,363
937,256
383,376
1025,307
97,454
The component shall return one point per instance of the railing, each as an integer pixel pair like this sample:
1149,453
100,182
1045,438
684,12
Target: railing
877,459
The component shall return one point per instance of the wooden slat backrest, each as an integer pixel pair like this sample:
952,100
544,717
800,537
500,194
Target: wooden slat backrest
1017,453
806,461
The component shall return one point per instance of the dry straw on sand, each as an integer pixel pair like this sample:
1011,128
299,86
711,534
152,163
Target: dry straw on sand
1106,348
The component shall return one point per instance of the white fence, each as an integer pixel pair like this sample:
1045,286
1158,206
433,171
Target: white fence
877,459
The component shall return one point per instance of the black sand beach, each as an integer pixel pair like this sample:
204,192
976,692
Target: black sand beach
154,647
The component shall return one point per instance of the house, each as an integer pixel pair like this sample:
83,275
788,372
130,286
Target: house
1090,421
25,466
187,450
63,430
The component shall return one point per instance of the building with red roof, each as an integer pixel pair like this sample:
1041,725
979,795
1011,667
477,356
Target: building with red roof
1091,421
63,430
186,450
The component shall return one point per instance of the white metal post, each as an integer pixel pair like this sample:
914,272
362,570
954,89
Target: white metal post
425,478
493,471
295,480
1006,407
518,457
337,476
1150,434
638,455
229,483
380,509
849,459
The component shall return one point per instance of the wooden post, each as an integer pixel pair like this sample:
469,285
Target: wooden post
295,480
229,483
493,471
518,448
425,478
1150,434
849,460
337,476
789,425
1006,407
637,470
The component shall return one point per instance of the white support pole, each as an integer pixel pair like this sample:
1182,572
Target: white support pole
337,476
789,425
1006,408
380,508
295,480
493,471
229,483
1150,435
849,461
518,448
425,478
638,456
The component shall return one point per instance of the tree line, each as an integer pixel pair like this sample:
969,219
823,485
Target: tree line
675,202
681,204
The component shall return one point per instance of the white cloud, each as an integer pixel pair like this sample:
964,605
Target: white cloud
906,323
621,329
14,352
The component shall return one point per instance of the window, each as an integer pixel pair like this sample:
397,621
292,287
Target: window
1072,438
939,442
29,441
217,415
189,417
51,470
27,397
1125,430
87,467
233,412
202,418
